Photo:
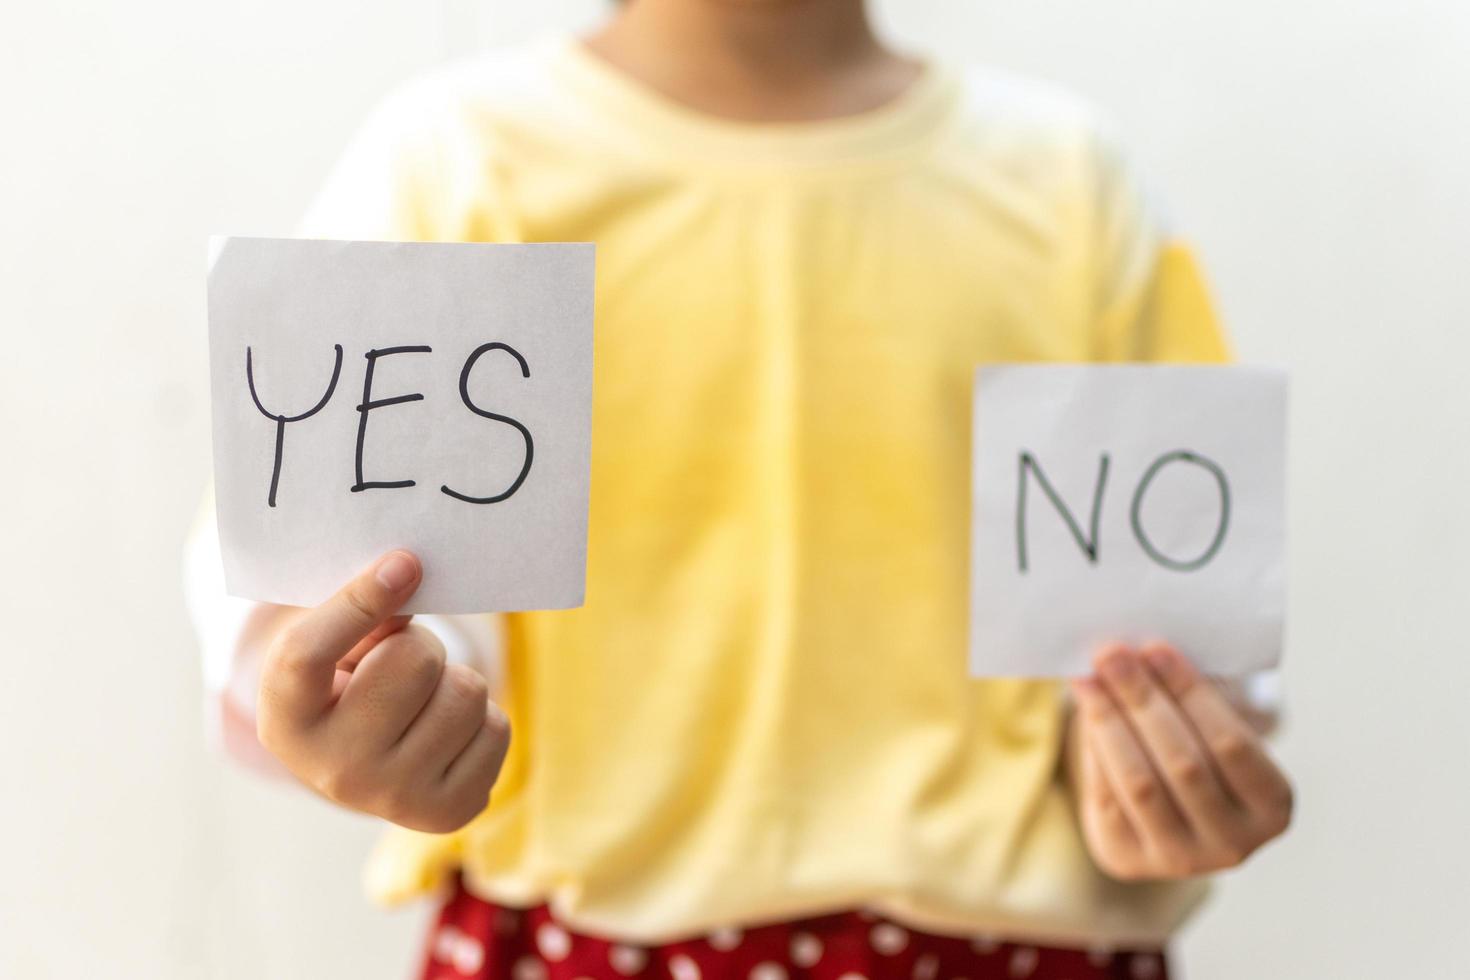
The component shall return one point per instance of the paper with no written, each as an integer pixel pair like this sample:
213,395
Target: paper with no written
377,395
1127,503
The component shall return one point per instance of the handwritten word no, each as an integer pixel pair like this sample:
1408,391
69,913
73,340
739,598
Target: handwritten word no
370,404
1028,468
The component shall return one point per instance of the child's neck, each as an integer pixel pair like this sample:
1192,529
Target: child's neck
756,60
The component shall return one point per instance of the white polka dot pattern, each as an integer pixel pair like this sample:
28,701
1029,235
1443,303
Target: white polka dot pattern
888,938
683,968
806,950
468,939
768,971
627,960
460,950
725,940
528,968
1023,961
446,941
469,957
553,942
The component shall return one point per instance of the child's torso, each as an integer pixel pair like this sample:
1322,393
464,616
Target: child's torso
763,707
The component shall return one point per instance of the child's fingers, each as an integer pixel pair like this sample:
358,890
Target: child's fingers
1233,746
383,630
389,688
299,670
474,770
1138,788
457,796
1173,748
1101,810
444,781
454,713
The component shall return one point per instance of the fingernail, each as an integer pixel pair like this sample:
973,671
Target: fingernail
1158,657
397,571
1120,668
1175,671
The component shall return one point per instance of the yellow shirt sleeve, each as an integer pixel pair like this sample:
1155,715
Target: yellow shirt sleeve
415,170
1153,301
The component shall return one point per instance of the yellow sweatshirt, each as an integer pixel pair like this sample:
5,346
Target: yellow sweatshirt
763,709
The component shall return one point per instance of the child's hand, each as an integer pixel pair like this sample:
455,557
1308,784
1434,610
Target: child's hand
1169,777
361,707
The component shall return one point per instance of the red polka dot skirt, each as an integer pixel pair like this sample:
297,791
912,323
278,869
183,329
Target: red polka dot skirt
473,938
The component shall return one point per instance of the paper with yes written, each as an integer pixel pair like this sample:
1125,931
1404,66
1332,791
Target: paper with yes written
1127,503
433,397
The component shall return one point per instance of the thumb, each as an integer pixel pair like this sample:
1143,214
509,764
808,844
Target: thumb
381,632
303,660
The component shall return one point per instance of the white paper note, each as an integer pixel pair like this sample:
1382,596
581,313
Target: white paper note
1127,503
433,397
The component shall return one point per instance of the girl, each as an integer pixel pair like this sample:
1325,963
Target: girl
755,752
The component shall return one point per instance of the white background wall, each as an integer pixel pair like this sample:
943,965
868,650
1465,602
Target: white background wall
1318,151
